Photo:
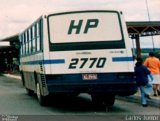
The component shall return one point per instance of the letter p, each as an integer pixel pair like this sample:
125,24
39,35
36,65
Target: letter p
91,23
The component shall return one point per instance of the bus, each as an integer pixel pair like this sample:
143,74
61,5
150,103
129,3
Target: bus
79,51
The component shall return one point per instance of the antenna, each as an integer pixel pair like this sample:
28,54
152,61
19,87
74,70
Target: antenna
149,21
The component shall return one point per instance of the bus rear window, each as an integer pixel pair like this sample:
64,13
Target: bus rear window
85,27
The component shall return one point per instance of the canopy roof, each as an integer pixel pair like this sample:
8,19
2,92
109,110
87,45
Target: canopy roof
143,28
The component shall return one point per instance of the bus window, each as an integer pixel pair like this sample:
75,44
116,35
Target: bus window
26,42
29,41
76,31
33,39
38,36
24,45
21,45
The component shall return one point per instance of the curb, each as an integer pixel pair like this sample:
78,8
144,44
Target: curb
12,76
137,99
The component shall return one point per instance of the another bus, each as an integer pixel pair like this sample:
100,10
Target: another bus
73,52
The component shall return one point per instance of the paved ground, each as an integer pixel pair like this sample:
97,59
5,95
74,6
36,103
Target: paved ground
154,101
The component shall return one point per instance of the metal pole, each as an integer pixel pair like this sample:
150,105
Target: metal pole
138,48
149,21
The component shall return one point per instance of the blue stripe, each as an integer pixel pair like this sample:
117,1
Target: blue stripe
55,61
121,59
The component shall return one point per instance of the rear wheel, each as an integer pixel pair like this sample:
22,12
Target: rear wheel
109,100
102,100
29,92
41,99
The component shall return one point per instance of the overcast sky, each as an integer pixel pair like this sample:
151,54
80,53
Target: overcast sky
16,15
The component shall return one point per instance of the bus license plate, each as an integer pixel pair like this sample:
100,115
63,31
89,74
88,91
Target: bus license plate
89,76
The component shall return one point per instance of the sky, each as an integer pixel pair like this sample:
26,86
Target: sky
16,15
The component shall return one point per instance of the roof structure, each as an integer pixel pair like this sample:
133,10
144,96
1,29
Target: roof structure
13,40
137,29
143,28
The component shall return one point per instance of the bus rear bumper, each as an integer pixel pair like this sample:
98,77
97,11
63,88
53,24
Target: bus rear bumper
115,89
115,86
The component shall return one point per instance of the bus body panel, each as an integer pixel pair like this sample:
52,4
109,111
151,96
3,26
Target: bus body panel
95,61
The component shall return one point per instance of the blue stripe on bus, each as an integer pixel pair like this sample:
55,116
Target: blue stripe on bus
121,59
55,61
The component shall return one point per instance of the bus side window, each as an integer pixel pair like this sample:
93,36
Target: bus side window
21,45
38,36
33,39
29,41
26,42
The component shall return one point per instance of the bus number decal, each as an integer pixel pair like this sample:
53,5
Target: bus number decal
93,62
73,63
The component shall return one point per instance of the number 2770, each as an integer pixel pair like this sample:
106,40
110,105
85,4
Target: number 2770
90,62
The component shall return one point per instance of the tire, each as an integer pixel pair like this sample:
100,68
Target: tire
101,101
22,78
97,101
109,100
29,92
41,99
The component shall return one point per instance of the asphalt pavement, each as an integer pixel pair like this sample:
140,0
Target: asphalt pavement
154,101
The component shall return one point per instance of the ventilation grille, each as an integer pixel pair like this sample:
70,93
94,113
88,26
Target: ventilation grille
43,78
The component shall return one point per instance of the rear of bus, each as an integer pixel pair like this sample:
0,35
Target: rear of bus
89,52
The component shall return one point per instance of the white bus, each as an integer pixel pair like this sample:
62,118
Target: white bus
76,52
